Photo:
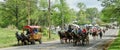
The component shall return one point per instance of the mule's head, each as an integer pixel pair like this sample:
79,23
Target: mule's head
22,34
59,32
17,33
18,36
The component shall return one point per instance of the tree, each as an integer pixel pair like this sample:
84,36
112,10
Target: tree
14,12
10,12
43,12
61,13
92,13
81,5
81,15
111,6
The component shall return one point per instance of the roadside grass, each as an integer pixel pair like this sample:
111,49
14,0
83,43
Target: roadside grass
116,44
8,39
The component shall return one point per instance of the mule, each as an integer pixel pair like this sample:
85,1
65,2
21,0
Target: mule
25,39
85,38
19,38
64,36
95,35
76,39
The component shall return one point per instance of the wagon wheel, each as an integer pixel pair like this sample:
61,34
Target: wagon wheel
32,41
74,42
61,41
83,41
40,41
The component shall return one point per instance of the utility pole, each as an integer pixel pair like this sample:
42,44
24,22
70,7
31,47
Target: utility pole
49,20
62,15
16,14
28,12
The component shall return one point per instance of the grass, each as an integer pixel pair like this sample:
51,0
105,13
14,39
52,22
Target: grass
8,39
116,44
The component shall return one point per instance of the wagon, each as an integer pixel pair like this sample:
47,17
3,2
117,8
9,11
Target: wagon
34,33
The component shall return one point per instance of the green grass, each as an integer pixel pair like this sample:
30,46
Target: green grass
116,44
8,39
53,37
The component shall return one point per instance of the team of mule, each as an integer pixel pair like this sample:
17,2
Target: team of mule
78,35
74,34
29,35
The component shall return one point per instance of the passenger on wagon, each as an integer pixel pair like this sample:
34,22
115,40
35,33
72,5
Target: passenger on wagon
84,31
35,30
100,33
69,29
75,30
28,32
79,31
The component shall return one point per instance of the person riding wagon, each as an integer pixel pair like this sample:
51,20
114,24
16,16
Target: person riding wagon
33,33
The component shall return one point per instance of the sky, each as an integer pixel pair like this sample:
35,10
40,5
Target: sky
1,0
88,3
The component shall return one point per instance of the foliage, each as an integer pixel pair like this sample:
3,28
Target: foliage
61,13
81,15
92,13
111,6
17,12
81,5
86,15
14,12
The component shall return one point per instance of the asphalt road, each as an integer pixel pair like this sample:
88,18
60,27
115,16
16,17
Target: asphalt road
55,45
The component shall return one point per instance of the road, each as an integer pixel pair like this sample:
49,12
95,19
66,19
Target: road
55,45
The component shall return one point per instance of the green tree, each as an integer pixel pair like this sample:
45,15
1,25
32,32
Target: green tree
42,12
17,12
81,15
92,13
81,5
61,13
14,12
111,6
10,12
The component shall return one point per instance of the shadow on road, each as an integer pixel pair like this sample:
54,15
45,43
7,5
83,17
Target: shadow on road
58,46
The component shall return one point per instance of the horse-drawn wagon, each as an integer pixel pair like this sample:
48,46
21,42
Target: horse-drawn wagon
29,35
74,34
33,33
